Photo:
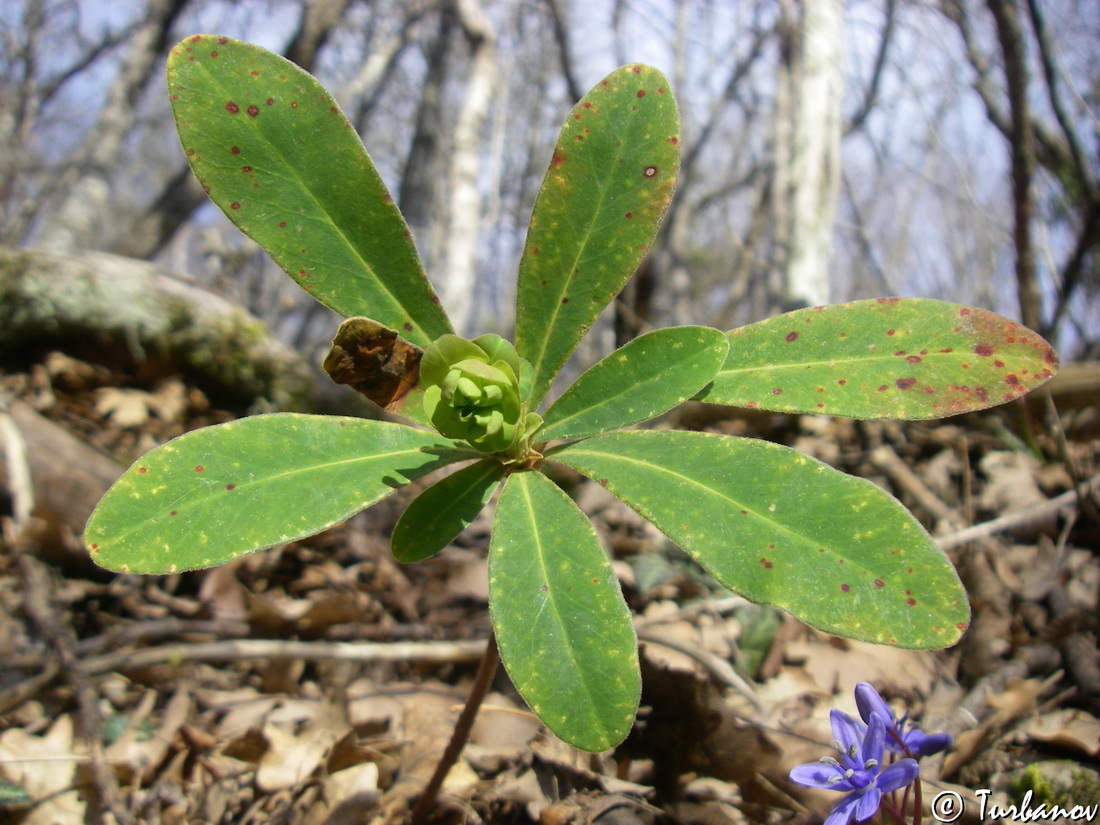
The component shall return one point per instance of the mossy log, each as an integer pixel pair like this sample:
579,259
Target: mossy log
56,299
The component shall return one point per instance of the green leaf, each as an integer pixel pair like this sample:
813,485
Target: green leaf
784,529
646,377
12,793
909,358
564,631
271,147
608,186
444,510
217,493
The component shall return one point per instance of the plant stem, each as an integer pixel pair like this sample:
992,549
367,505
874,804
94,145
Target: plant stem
482,681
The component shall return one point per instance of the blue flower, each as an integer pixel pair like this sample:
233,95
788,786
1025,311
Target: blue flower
859,770
917,743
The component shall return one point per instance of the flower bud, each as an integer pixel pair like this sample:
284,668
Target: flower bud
472,390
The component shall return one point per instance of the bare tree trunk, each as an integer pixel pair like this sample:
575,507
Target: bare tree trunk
766,294
318,20
366,88
465,212
82,220
424,165
813,179
669,270
561,37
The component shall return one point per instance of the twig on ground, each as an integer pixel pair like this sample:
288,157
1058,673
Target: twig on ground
1028,515
884,458
238,649
27,689
718,667
148,630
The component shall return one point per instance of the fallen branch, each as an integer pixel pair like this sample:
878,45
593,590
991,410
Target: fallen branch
237,649
1028,515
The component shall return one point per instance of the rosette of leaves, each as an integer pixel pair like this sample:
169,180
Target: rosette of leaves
275,152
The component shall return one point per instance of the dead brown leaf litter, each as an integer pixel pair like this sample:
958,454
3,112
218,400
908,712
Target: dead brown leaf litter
318,682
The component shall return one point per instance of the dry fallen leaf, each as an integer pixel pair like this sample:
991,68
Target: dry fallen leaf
840,666
1067,728
39,765
1011,485
292,757
129,408
125,407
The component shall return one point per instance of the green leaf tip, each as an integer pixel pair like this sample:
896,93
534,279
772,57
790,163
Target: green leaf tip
781,528
902,358
565,633
609,183
440,513
274,151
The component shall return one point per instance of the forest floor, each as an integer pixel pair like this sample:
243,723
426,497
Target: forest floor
318,682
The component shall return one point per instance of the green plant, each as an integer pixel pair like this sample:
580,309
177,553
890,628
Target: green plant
275,152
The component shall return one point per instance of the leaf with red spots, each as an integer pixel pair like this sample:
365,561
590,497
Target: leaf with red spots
609,183
444,510
645,378
217,493
906,358
273,150
781,528
564,630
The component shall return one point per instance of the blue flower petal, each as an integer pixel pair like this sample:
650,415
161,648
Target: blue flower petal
819,775
842,813
846,732
872,745
867,804
869,701
925,744
898,775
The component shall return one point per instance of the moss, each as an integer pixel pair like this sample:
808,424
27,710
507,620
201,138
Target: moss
1057,783
1033,779
128,310
1085,788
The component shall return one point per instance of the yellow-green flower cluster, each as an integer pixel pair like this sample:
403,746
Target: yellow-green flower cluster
474,390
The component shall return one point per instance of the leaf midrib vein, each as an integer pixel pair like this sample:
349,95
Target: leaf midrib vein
832,362
607,400
604,187
552,594
689,479
340,230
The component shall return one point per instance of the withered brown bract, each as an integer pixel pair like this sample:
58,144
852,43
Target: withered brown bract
374,361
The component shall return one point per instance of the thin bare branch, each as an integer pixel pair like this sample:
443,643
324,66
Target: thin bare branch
1085,176
1021,140
870,95
561,37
